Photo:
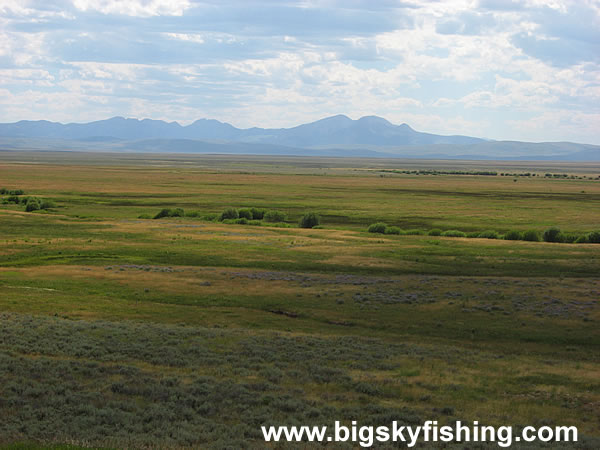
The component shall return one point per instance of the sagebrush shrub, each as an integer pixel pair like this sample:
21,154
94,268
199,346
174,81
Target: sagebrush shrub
531,235
513,235
454,233
393,230
177,212
378,227
229,213
488,234
46,204
594,237
257,214
274,216
32,205
245,214
553,234
310,220
165,212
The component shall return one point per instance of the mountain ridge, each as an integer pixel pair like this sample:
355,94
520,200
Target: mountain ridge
339,135
333,130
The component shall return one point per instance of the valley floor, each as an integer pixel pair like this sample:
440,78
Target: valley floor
120,331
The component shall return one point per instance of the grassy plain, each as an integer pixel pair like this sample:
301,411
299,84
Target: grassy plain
119,331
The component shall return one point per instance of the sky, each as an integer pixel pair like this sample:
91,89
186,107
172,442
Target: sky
500,69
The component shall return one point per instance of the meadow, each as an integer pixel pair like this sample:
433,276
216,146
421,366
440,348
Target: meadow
119,330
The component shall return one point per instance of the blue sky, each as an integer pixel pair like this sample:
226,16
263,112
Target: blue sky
501,69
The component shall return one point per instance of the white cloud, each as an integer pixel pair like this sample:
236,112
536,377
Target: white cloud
250,68
138,8
558,125
189,37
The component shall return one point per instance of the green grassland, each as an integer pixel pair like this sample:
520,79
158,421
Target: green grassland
118,331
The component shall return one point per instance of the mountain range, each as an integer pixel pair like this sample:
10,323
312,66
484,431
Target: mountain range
369,136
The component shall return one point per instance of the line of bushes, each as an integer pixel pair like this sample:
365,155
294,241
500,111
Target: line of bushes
552,234
245,216
31,203
4,191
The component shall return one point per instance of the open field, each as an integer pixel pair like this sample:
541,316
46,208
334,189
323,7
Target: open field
120,331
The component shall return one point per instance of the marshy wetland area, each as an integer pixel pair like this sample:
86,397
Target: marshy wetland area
174,301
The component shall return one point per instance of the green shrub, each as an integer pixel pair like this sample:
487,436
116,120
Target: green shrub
274,216
594,237
454,233
488,234
310,220
570,238
473,234
192,214
32,205
378,227
212,217
245,214
280,225
435,232
531,235
47,204
513,235
229,213
13,199
144,216
583,239
255,222
177,212
393,230
17,192
257,214
165,212
241,221
553,234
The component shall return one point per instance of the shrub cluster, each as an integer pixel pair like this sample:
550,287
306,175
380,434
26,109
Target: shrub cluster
249,216
552,234
30,203
246,215
274,216
4,191
378,227
454,233
383,228
168,212
310,220
513,236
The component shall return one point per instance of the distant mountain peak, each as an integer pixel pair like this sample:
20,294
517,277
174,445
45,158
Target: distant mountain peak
374,119
337,118
337,131
336,135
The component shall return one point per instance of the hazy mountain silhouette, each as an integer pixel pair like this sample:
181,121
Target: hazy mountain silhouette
335,131
337,135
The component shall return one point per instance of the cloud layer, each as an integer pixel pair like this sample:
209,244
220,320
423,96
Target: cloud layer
527,70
